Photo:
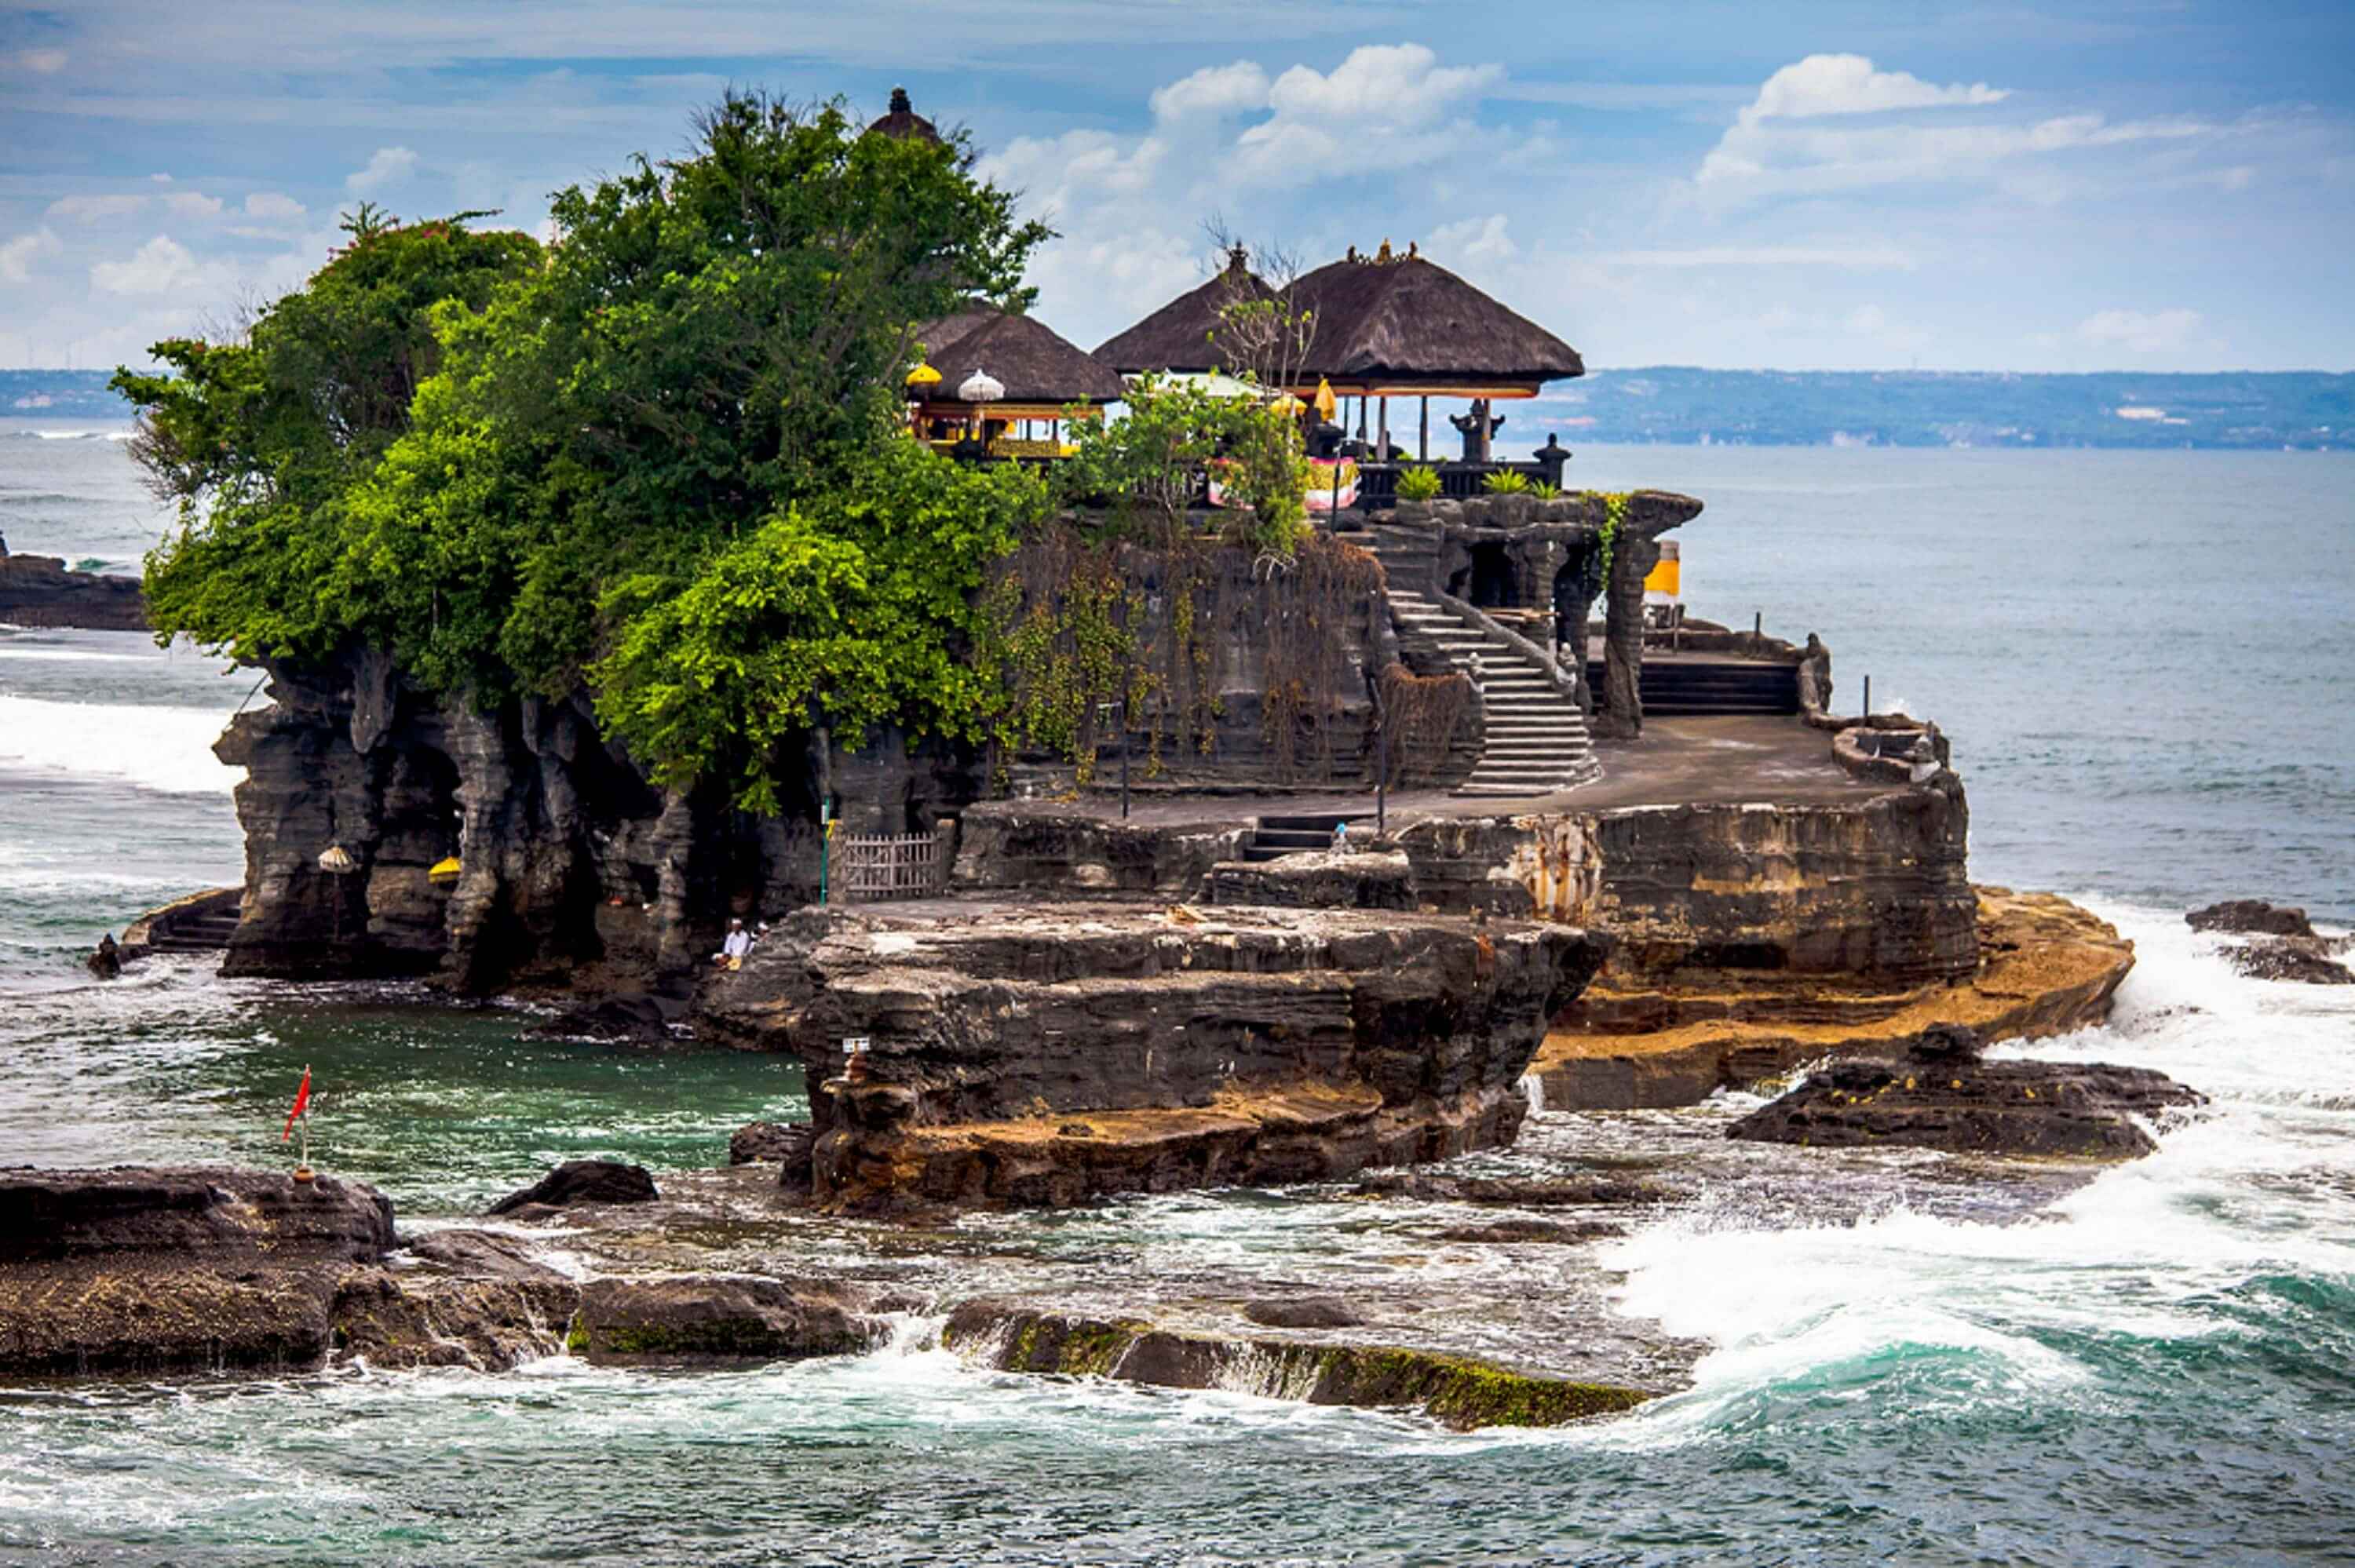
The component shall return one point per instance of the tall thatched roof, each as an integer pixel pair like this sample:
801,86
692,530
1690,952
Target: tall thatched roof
1402,321
1037,365
1181,335
903,121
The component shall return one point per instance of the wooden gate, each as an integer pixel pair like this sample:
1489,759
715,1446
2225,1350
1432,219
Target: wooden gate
865,867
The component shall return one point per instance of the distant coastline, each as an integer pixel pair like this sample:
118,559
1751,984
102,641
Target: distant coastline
1682,406
1781,408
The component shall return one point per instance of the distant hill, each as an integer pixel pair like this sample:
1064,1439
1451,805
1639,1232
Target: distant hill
1683,405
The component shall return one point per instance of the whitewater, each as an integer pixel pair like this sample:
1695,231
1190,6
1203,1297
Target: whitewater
1894,1356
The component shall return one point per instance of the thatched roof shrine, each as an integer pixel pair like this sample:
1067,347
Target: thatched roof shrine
902,121
1041,369
1181,335
1399,326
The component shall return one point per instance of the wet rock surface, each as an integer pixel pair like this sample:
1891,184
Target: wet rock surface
168,1269
1459,1392
2305,961
635,1019
582,1181
1304,1312
722,1320
2251,917
779,1142
1525,1193
1944,1095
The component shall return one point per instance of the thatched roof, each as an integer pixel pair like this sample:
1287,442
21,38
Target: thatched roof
1037,365
1181,335
903,121
1402,320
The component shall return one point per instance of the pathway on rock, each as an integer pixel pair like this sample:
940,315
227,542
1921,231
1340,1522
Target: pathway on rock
1536,740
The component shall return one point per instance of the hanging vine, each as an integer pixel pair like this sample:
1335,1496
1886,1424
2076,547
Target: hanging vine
1423,714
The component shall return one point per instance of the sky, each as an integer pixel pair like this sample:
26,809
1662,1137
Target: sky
2137,186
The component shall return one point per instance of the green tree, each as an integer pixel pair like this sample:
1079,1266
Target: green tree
1150,463
258,440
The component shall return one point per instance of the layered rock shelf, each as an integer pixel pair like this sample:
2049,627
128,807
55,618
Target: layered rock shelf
1006,1056
1636,1039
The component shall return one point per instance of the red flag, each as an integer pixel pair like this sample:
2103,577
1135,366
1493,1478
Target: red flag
302,1099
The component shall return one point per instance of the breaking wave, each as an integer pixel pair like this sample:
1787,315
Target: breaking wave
168,749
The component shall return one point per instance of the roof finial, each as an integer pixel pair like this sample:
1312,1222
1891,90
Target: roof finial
1382,256
1238,259
1353,253
900,104
1410,249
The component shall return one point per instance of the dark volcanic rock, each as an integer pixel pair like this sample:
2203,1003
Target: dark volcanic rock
1049,1055
583,1181
2250,918
2308,960
1510,1232
160,1270
38,590
1304,1312
1951,1099
637,1019
712,1319
1508,1191
392,1318
1456,1391
105,960
758,1141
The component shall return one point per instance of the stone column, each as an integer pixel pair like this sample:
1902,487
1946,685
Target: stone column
1631,560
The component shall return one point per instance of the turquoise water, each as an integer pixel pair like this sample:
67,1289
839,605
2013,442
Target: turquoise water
1898,1360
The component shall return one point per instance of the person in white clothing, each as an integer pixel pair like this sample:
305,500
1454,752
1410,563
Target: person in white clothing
738,943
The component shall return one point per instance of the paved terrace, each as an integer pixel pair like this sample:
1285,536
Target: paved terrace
1718,760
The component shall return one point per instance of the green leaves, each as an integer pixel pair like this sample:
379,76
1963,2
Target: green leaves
1151,463
663,457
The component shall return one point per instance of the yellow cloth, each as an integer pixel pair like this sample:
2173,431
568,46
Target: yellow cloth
1325,402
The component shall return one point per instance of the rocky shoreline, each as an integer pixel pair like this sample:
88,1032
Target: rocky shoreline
42,591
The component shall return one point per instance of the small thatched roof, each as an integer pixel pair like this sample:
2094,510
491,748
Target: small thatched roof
1181,335
1037,363
903,121
1401,320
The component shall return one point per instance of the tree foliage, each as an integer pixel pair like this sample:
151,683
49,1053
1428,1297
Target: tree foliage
660,457
1151,463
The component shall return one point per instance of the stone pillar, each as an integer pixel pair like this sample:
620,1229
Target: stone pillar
1631,560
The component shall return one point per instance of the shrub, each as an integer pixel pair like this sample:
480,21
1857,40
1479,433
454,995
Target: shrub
1420,482
1546,491
1506,482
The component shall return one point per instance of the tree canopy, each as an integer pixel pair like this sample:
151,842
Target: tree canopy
656,456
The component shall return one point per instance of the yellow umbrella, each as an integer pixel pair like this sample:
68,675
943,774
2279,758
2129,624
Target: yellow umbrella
923,375
1325,402
1289,405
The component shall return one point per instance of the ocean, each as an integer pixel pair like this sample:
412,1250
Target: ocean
2145,661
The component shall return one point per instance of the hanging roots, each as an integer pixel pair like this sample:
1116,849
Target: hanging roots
1423,712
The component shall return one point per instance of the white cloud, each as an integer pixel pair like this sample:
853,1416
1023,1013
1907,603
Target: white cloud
18,255
1474,240
2140,331
1859,256
161,266
387,167
1848,84
1395,84
193,204
43,62
1212,92
272,205
95,208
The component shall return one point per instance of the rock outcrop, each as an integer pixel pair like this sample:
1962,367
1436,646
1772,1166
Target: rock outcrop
582,1181
1943,1094
1456,1391
706,1319
2282,944
38,590
1027,1058
159,1270
1632,1040
758,1142
2251,917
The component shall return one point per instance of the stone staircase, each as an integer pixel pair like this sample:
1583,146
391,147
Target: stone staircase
1273,837
1535,738
202,933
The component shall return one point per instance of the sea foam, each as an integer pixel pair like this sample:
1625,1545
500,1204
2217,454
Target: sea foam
164,748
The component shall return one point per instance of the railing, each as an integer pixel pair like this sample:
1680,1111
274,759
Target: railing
863,868
1378,481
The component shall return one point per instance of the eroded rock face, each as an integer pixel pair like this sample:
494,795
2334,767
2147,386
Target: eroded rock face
1028,848
1944,1094
782,1142
160,1270
1043,1058
582,1182
2307,960
1347,879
